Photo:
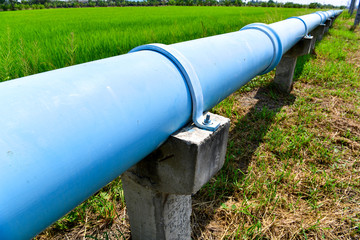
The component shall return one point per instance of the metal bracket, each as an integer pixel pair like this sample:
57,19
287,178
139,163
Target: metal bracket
187,71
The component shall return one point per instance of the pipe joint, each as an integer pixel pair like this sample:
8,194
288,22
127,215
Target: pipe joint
322,16
275,39
306,28
189,74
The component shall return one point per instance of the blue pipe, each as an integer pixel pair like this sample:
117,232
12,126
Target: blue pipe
68,132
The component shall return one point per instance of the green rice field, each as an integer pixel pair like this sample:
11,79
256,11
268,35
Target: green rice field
41,40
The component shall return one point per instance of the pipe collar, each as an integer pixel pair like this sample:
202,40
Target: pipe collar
189,74
275,39
322,16
306,28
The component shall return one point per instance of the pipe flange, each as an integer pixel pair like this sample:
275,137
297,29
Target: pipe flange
188,73
306,28
275,39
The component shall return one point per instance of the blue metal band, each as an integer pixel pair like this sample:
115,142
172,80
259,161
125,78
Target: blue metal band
327,14
275,39
306,28
187,71
321,16
333,14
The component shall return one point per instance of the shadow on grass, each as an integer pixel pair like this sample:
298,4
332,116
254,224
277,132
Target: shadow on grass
244,140
300,63
251,129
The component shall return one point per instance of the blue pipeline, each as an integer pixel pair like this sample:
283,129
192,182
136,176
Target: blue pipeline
66,133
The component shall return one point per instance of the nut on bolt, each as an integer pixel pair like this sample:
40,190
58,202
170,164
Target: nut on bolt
207,119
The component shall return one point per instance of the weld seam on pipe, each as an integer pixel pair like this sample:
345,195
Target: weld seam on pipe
275,39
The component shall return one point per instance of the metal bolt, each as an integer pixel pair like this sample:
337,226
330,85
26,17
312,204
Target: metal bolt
207,119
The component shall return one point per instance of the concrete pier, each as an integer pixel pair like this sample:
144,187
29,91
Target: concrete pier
285,69
328,24
158,189
318,32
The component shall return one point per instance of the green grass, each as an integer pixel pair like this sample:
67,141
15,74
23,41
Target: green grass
293,161
41,40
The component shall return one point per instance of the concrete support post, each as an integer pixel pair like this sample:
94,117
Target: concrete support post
332,21
328,24
158,189
285,69
317,34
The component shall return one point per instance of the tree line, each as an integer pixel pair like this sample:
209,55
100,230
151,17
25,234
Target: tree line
8,5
